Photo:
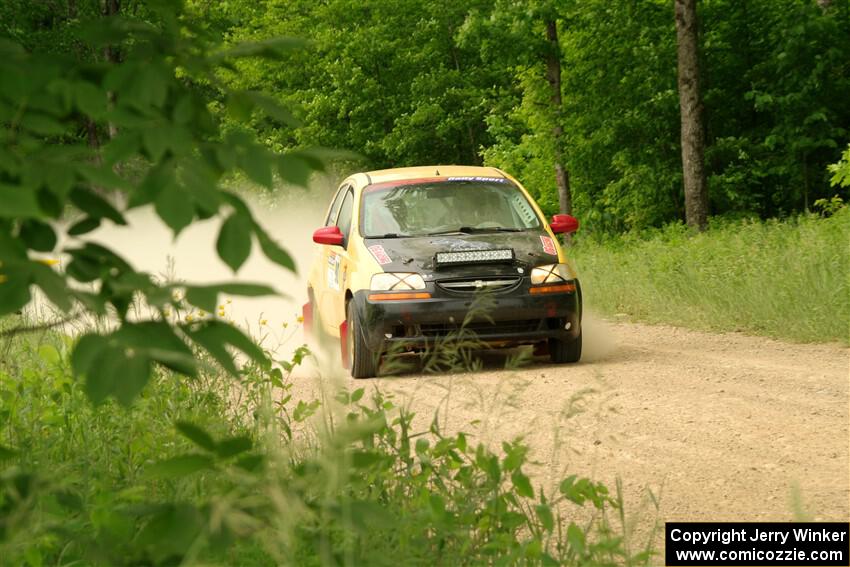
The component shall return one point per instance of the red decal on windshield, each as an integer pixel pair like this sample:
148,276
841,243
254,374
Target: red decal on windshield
380,254
548,245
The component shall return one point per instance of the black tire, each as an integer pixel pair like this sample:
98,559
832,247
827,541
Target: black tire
565,351
362,361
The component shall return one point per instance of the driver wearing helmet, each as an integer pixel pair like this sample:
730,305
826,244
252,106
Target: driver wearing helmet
490,210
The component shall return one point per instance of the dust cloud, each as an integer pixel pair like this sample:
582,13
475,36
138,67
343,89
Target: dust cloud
290,217
598,339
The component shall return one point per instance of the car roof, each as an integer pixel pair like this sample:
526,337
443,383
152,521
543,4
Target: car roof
405,173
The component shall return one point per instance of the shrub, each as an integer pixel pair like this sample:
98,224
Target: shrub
188,475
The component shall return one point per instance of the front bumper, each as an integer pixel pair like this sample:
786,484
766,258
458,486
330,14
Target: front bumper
510,319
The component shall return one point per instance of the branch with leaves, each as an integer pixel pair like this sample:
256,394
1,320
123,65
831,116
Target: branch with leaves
169,151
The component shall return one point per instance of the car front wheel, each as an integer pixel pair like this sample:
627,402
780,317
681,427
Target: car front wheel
561,351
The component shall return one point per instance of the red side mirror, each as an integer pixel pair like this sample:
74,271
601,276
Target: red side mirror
328,235
563,224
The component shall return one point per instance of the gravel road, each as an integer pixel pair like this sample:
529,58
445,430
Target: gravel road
714,427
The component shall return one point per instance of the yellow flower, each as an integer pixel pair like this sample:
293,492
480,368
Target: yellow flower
229,301
166,312
285,325
189,318
263,321
221,313
202,313
300,318
221,306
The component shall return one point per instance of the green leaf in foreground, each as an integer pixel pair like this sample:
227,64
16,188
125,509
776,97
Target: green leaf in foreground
544,514
575,537
85,352
117,372
52,284
158,341
179,466
175,207
196,435
171,532
119,365
233,446
234,241
95,205
216,336
271,48
18,202
273,108
522,484
365,515
206,296
272,249
38,235
84,226
14,291
256,163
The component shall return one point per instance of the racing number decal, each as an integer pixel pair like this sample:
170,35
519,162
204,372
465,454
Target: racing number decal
333,271
548,245
380,254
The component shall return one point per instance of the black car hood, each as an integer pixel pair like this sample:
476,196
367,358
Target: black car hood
418,254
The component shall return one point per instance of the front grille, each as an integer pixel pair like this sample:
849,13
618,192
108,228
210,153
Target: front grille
492,284
483,328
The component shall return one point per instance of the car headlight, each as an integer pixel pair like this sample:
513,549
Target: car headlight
552,273
396,281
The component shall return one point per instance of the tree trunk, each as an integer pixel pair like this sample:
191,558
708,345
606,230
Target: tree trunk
553,75
111,54
690,102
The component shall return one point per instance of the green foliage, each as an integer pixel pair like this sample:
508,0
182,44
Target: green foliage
193,475
774,118
618,65
841,171
404,82
770,153
785,279
385,79
85,138
407,83
829,207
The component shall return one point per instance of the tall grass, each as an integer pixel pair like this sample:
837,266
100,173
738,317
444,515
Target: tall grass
212,472
781,278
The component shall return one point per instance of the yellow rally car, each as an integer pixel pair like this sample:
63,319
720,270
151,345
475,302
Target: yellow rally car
404,252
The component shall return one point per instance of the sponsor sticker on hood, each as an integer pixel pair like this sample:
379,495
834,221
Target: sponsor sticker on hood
548,245
380,254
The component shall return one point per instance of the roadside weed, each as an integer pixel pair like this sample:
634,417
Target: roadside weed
785,279
206,472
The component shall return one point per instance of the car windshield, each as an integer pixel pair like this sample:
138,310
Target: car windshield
444,207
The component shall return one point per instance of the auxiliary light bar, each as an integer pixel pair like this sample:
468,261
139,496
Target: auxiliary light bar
474,256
